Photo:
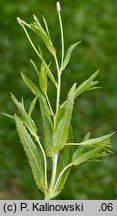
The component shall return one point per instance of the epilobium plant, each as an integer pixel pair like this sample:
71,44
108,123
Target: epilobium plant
57,144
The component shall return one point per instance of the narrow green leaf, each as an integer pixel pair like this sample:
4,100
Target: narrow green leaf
48,128
43,78
95,141
35,67
68,54
71,137
87,85
50,75
65,155
61,132
65,158
8,115
86,136
94,88
32,105
46,26
38,29
35,90
60,114
45,112
29,123
48,70
32,154
22,102
79,157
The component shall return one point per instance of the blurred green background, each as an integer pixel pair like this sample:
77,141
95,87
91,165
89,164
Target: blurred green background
95,23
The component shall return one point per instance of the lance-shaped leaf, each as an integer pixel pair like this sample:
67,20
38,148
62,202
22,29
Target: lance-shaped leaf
48,128
43,78
86,136
95,141
65,158
87,85
61,132
36,91
28,121
32,106
45,112
80,157
68,54
38,29
32,154
50,75
46,26
8,115
34,65
66,153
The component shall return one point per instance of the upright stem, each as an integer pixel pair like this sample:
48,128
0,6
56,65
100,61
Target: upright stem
49,103
31,41
57,65
55,158
53,177
60,175
59,69
62,38
59,84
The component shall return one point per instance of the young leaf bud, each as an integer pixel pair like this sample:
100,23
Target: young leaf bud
21,22
58,6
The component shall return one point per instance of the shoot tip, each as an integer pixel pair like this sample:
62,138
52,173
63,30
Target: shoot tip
58,7
20,22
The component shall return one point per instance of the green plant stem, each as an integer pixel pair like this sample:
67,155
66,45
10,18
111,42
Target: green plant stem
33,46
59,70
55,158
31,41
62,38
60,175
54,168
48,101
59,84
53,177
